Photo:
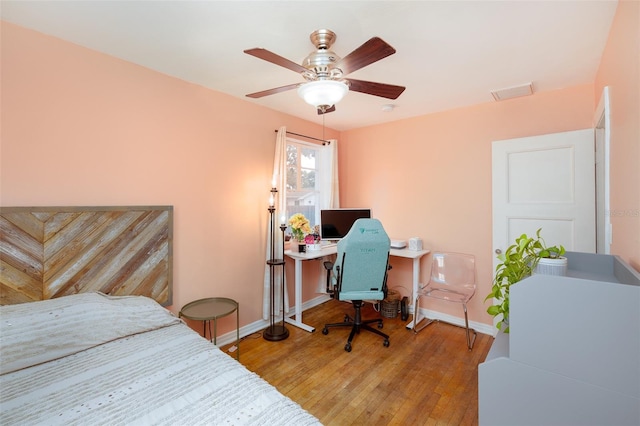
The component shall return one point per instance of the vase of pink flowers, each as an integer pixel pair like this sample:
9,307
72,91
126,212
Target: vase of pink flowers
312,240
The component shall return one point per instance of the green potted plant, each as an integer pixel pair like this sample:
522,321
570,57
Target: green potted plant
551,260
519,261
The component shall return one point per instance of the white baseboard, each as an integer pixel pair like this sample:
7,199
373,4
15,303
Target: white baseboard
312,303
259,325
459,321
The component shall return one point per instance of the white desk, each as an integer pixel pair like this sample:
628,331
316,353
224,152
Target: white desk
416,255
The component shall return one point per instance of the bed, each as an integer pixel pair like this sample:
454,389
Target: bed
92,358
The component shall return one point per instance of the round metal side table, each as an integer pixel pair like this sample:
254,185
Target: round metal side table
209,309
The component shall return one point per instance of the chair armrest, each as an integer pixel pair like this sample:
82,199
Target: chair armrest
330,289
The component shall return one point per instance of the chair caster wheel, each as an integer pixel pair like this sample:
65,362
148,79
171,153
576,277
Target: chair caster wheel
347,347
385,343
325,331
380,325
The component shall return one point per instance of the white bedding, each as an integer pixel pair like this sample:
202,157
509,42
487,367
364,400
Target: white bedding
95,359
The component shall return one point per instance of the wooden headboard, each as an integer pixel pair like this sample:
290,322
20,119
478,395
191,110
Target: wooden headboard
48,252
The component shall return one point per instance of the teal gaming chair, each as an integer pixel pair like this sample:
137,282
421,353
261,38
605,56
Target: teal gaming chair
360,273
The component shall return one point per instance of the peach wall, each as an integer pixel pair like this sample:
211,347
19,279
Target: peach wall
430,176
620,70
83,128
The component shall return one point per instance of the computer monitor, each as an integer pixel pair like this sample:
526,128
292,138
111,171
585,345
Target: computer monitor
336,223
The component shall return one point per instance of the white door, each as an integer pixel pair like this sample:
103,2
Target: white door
545,182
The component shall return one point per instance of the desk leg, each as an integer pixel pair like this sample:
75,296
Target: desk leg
297,320
416,283
299,324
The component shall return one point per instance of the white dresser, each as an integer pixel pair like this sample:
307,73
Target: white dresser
572,356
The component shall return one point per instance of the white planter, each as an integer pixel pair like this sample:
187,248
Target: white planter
552,266
314,247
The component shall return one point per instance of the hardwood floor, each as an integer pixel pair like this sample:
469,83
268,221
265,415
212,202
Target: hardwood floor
425,379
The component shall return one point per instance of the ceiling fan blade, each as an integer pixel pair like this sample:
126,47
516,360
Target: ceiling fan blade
388,91
371,51
273,91
268,56
327,111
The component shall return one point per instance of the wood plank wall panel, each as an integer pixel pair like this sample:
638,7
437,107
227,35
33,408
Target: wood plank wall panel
48,252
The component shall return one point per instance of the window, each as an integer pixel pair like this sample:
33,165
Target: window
303,180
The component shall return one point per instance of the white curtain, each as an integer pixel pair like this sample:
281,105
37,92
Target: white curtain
329,185
278,180
330,194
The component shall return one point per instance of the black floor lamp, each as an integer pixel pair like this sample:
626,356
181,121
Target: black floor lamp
275,332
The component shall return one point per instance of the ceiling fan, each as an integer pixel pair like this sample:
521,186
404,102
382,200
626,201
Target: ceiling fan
324,71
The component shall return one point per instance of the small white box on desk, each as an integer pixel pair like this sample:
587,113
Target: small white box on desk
415,243
398,244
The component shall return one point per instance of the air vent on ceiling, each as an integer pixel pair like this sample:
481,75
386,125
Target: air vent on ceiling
513,92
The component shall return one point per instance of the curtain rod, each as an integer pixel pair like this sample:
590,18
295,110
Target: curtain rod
305,136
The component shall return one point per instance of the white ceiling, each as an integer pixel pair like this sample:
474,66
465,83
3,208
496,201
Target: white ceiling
449,53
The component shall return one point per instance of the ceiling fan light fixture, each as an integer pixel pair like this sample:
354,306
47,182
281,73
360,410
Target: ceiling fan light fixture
323,92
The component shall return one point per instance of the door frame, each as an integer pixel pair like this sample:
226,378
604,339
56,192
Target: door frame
602,126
